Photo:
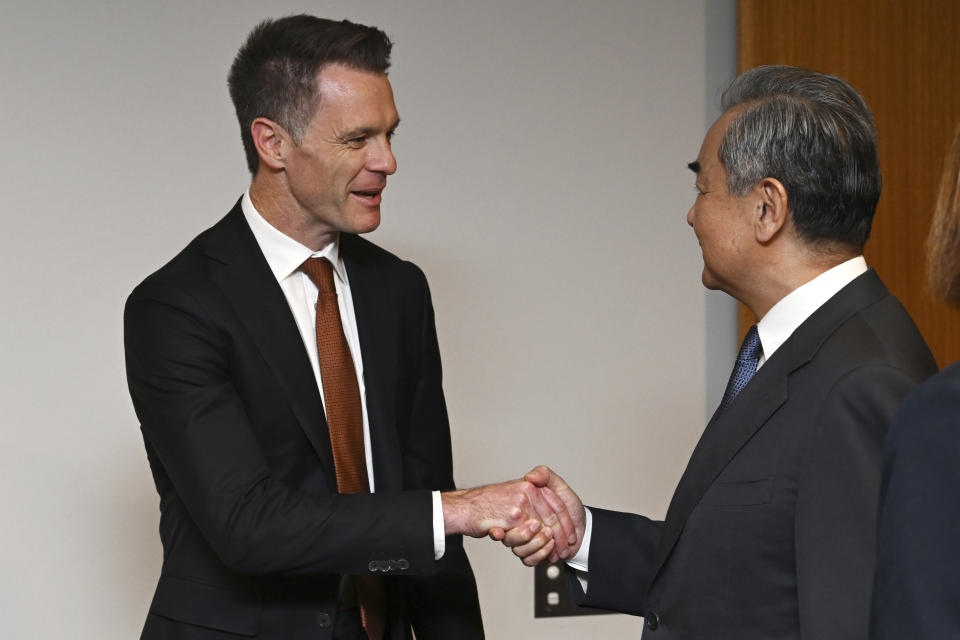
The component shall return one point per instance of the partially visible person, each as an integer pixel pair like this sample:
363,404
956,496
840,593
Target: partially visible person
917,587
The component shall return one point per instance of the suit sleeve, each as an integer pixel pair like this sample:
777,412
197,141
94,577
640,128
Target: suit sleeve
837,503
197,430
623,547
446,604
917,586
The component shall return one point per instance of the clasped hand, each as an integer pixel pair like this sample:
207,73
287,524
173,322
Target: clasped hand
539,517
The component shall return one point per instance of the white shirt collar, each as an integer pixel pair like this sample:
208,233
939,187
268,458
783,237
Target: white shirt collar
284,254
794,308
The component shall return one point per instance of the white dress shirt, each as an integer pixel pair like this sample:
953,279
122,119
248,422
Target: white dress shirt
793,309
284,256
774,329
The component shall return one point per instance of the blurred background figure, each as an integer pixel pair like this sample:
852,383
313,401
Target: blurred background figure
917,587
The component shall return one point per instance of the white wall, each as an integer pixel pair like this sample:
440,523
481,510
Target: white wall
542,187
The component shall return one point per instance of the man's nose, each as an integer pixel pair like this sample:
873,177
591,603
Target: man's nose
381,158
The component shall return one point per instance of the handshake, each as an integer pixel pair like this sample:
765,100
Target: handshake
538,516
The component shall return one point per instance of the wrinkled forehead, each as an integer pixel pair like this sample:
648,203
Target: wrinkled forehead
339,79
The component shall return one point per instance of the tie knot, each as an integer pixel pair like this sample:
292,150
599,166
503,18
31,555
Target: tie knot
744,368
751,348
320,271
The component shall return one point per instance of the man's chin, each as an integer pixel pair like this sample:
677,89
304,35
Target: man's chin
365,223
709,281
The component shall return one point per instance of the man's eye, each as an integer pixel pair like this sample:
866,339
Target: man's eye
356,143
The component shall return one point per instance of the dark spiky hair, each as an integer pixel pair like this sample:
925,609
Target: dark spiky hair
275,72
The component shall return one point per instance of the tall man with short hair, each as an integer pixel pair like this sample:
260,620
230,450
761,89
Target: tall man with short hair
770,533
287,378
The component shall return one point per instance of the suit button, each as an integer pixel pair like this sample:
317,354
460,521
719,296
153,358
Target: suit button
653,621
324,620
374,566
393,565
384,566
403,564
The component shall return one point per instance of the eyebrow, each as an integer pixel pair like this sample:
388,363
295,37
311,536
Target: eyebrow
694,166
363,132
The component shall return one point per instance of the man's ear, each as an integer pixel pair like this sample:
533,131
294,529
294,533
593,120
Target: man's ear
271,141
774,212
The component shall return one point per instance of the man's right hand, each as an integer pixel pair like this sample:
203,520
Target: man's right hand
515,505
525,541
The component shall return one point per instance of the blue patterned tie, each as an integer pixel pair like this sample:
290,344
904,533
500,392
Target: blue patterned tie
746,366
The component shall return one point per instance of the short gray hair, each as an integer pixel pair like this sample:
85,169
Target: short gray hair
815,134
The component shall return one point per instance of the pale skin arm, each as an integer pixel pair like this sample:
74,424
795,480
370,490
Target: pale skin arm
528,542
513,505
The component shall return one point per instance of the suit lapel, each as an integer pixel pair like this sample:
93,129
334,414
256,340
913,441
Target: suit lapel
376,328
729,431
240,270
724,436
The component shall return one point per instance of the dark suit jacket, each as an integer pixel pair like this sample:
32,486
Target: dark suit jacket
917,588
770,533
255,535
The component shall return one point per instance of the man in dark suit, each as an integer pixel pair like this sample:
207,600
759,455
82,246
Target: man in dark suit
770,533
287,378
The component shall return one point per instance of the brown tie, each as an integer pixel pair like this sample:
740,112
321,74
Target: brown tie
344,420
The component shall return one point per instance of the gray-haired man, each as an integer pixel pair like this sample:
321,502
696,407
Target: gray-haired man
770,533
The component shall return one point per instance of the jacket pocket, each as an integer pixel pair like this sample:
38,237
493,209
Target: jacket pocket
739,494
205,605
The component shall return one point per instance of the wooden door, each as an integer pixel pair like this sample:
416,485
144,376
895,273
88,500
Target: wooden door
904,57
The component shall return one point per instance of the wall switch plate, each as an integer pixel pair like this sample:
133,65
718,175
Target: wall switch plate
551,598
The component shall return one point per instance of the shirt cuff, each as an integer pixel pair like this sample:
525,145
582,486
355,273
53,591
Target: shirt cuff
439,540
580,561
